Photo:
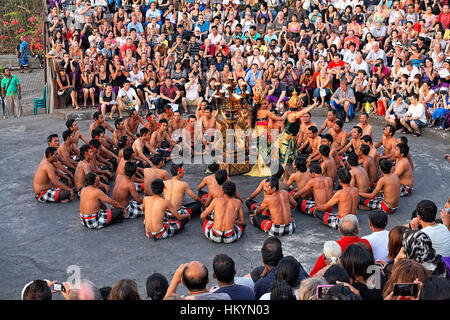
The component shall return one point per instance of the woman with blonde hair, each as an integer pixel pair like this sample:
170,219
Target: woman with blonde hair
308,288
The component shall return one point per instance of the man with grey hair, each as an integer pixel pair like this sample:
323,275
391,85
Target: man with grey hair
87,290
349,229
376,53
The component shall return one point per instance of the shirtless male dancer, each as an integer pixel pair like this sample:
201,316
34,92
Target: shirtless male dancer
209,181
388,143
329,121
84,168
339,135
131,124
151,123
99,120
187,135
386,195
403,169
405,141
373,153
279,203
138,178
139,146
215,191
360,178
121,132
346,198
46,185
364,125
124,188
107,149
368,163
328,164
175,189
320,186
328,140
93,212
301,177
313,142
252,205
100,165
208,124
161,142
65,150
228,223
156,171
62,171
354,142
72,125
175,126
157,226
302,135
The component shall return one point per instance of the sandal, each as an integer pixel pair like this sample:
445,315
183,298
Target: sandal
417,134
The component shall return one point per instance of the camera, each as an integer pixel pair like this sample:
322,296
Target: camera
59,287
405,289
321,291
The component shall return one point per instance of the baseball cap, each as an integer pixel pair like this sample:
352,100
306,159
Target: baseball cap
378,219
398,44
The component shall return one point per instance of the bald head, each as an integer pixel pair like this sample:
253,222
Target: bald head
195,276
87,291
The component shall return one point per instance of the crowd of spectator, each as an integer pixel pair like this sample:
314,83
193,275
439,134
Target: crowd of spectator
388,58
393,55
352,268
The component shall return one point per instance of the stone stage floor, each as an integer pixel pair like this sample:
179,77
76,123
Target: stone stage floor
39,241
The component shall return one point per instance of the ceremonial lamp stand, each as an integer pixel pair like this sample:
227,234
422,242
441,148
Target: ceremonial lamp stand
232,113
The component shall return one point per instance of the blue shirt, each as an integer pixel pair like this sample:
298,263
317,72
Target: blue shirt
250,79
237,292
24,50
139,28
203,27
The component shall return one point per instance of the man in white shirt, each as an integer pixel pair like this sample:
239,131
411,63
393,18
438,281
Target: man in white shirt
349,55
153,12
376,53
359,64
410,70
438,233
137,81
215,37
397,15
127,98
415,118
379,238
193,90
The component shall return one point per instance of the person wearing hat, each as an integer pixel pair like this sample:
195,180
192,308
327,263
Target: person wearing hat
379,237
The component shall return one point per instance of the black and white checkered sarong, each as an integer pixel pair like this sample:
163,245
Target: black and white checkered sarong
217,236
134,210
96,220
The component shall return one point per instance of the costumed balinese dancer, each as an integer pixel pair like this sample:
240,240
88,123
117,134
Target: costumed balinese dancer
260,117
286,142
